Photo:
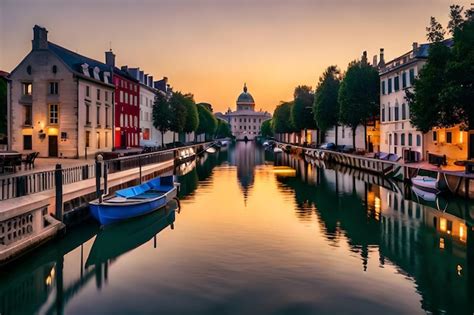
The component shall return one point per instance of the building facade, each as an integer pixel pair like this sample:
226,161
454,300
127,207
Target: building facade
245,122
126,109
397,133
60,102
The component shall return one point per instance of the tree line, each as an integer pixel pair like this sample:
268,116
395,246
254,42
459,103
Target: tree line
442,94
179,113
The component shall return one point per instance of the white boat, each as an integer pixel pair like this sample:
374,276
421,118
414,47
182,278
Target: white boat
277,150
427,183
211,150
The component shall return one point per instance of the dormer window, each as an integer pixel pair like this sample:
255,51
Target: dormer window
107,77
85,69
96,73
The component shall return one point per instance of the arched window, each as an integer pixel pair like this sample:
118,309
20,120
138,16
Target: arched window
418,140
121,120
410,139
402,139
383,113
404,111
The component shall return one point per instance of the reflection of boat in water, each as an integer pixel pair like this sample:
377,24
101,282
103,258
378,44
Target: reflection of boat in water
134,201
185,168
277,150
211,150
284,171
185,155
118,239
423,194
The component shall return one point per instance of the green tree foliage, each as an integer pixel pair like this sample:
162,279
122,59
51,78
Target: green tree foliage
281,115
161,115
178,112
208,106
426,98
302,110
192,119
455,18
266,129
326,105
207,121
359,96
223,129
435,31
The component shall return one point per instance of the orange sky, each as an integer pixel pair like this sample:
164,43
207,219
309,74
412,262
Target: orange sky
210,48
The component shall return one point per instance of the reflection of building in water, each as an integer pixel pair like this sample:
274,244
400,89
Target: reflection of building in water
246,157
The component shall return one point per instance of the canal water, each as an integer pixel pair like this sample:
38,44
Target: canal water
261,234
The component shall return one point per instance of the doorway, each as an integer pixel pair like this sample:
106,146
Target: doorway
53,146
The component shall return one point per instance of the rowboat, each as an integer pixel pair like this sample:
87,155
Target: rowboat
430,184
423,194
134,201
117,239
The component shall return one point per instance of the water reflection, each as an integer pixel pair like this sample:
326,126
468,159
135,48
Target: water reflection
432,247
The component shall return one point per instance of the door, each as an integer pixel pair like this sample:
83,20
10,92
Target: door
53,146
471,145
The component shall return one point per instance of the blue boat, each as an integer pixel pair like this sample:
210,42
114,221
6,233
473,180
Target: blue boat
135,201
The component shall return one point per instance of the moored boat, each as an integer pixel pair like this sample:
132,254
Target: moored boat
277,150
135,201
430,184
211,150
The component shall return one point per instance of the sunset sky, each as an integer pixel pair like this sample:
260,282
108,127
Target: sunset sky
210,48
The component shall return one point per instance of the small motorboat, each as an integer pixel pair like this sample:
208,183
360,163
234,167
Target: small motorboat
277,150
428,183
135,201
211,150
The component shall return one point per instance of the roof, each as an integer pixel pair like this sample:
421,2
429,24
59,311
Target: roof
245,97
4,74
248,113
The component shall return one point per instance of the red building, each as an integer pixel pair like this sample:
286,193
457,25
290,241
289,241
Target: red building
127,106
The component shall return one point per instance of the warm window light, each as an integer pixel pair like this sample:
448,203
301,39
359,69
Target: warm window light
443,224
442,136
378,204
459,269
441,243
461,136
462,233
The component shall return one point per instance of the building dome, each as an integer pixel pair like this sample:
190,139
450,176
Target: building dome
245,97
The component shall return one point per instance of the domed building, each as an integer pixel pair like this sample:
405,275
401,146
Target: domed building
245,122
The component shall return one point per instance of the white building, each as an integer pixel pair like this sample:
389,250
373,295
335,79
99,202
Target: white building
397,134
245,122
61,102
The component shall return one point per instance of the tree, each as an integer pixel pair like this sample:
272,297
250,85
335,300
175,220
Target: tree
161,115
178,113
223,129
359,96
435,31
208,106
207,121
302,111
266,129
326,105
455,18
192,119
281,115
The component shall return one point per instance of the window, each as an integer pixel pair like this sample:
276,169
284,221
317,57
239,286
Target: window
126,97
28,115
435,136
449,137
53,88
88,135
343,132
389,113
383,113
98,140
396,82
404,79
412,76
121,96
106,139
107,117
53,116
88,91
395,139
88,119
27,142
389,86
404,111
27,88
402,139
396,113
106,96
418,140
410,139
390,139
98,116
98,94
383,87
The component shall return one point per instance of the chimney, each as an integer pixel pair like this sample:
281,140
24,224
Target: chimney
40,38
374,61
415,47
150,81
382,60
110,58
364,58
124,68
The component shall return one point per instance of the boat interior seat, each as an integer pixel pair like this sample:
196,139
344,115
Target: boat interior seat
148,195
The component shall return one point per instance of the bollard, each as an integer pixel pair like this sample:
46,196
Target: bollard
98,174
106,171
58,180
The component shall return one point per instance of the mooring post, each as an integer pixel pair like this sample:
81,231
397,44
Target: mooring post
140,169
98,174
106,172
58,182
